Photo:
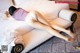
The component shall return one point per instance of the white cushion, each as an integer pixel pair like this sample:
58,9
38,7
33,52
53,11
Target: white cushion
47,8
61,22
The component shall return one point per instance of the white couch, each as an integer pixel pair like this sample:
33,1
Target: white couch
49,9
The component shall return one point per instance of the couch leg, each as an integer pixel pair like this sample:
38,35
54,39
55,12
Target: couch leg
71,28
18,48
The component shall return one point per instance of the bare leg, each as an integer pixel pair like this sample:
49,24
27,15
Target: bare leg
64,30
51,31
43,20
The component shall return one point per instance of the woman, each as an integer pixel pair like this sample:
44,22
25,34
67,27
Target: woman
36,20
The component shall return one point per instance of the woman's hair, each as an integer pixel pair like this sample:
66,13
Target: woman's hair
12,9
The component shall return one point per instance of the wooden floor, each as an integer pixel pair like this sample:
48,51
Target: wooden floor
56,45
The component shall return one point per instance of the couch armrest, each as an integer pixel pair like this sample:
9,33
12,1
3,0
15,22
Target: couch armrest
68,15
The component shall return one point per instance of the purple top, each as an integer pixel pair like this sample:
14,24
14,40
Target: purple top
20,14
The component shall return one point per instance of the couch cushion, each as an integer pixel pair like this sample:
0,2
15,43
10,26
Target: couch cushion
61,22
47,8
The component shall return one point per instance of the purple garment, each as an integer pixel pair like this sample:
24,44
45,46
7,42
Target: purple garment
20,14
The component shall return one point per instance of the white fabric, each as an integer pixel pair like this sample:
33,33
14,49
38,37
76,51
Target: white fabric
61,22
66,14
47,8
31,39
35,37
7,29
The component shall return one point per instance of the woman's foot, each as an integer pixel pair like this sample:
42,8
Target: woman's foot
71,34
71,39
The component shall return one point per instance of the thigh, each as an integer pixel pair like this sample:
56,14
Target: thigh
38,25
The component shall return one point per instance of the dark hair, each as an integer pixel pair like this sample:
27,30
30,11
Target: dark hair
11,10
